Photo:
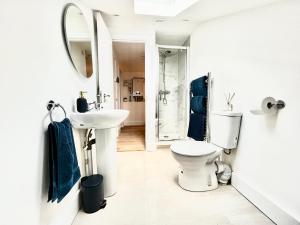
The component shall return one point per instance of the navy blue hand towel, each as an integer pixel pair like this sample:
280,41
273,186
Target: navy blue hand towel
64,170
198,104
52,193
199,86
197,126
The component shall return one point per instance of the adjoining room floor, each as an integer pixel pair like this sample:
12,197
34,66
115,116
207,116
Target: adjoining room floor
132,138
149,195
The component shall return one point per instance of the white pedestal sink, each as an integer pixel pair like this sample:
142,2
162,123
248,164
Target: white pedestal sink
104,122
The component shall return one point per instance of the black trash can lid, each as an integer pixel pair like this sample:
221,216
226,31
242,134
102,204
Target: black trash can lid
92,181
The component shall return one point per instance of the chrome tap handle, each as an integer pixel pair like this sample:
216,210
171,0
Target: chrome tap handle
98,100
105,96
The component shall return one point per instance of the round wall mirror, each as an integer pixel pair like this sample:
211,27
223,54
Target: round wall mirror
78,40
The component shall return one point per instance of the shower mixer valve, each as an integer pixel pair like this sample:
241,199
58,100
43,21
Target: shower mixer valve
164,94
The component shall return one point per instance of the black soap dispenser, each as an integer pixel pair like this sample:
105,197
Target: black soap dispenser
82,105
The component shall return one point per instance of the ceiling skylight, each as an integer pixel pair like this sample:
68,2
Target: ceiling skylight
168,8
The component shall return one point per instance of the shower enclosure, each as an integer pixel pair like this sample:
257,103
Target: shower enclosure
172,93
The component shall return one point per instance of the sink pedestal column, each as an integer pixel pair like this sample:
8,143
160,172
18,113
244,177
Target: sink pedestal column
106,151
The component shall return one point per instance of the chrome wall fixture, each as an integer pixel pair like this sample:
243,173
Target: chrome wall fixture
269,106
51,106
209,88
279,104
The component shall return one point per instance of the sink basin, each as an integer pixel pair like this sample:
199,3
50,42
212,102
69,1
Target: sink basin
102,119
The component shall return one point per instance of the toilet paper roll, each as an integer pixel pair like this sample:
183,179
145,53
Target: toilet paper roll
268,105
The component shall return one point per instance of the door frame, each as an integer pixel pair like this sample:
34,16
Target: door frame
150,82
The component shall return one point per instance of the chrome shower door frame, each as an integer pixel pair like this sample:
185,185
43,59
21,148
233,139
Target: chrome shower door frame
187,70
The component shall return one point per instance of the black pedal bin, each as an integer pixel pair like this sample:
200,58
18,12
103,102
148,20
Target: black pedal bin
92,194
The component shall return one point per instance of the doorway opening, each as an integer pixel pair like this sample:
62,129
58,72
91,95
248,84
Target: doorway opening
129,87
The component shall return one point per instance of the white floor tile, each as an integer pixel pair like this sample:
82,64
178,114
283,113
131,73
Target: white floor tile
149,195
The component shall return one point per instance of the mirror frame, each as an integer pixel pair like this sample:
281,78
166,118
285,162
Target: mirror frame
64,33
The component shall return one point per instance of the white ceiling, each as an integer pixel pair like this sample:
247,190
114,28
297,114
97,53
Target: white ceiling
131,56
162,7
174,30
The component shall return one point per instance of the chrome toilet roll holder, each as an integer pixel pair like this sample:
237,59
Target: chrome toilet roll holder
279,104
269,106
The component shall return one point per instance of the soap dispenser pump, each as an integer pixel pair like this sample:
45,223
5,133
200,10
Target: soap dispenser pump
82,105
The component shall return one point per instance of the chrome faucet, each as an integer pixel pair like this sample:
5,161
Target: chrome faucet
98,100
97,105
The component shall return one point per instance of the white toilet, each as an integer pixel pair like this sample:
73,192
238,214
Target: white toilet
196,158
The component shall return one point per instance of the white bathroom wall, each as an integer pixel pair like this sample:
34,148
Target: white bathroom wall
34,69
255,54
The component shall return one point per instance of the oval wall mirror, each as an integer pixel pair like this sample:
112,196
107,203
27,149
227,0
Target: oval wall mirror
78,40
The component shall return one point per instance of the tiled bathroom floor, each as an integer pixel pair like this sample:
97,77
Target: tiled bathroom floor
148,195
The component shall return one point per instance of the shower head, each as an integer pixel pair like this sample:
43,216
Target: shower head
165,53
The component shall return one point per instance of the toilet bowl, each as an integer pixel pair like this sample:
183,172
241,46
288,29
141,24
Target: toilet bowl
197,170
196,159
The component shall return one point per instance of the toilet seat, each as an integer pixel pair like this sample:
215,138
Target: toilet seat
194,148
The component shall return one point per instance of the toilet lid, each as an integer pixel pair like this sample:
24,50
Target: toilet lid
194,148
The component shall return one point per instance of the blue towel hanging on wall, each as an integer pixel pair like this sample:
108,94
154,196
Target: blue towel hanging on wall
63,166
199,86
198,105
197,126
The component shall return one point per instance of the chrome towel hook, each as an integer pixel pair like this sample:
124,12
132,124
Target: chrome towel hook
51,106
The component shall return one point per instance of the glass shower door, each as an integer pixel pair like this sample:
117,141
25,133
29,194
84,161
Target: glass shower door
172,94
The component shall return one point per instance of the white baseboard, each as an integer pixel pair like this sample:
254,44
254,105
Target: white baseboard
273,211
134,123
